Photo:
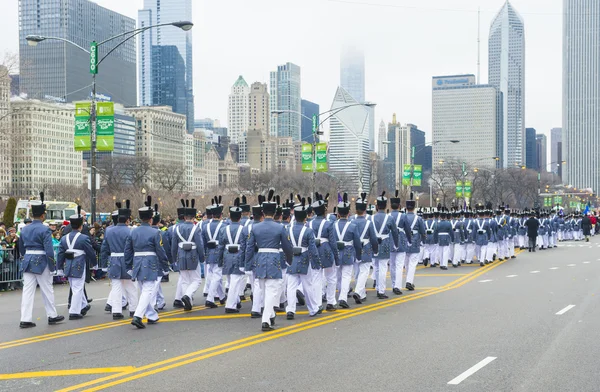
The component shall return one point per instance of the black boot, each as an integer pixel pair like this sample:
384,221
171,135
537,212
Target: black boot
300,297
138,323
187,303
55,320
177,304
397,291
289,316
344,304
118,316
267,327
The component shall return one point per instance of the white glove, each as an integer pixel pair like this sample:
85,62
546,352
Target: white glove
242,269
249,273
104,269
130,273
95,267
60,273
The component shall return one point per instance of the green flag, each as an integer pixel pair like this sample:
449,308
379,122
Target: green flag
321,157
406,174
83,140
417,175
307,160
105,126
468,188
459,188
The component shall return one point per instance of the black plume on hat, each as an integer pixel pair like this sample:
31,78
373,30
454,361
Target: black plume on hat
345,198
118,204
236,202
183,203
156,208
42,197
270,194
79,210
278,200
244,200
127,204
193,202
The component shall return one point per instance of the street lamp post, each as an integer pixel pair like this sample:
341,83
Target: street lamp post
33,40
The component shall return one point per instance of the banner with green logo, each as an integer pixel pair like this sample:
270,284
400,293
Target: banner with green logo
468,186
105,126
406,173
82,126
459,188
307,158
417,175
547,202
321,157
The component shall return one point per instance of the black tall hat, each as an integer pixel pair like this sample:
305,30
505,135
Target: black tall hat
77,219
244,204
146,212
257,210
411,204
362,202
217,207
318,207
269,206
181,211
38,207
344,207
124,212
382,201
190,208
395,201
301,211
235,212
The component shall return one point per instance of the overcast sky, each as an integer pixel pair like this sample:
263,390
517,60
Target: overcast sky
406,43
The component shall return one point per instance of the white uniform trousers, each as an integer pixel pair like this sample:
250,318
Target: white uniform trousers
459,253
511,247
396,268
382,268
190,282
207,276
215,284
361,282
444,252
316,277
431,252
120,288
160,297
330,283
30,281
294,280
78,301
344,278
545,240
490,250
258,294
269,287
283,287
410,264
235,282
481,252
147,299
470,253
179,289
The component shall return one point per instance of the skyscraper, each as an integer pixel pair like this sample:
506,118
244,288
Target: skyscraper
151,61
541,150
507,73
352,72
58,71
530,149
581,93
7,133
308,109
237,113
556,155
286,98
382,147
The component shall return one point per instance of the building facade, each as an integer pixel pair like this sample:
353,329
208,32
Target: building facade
556,155
308,110
237,110
541,150
150,57
286,101
581,93
382,139
530,149
6,131
57,71
507,73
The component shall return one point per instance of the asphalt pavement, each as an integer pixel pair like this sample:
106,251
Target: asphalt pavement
526,324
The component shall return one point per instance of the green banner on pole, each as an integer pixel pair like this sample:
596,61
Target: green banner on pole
459,189
406,174
94,57
468,186
315,123
105,126
321,157
417,175
83,139
307,158
547,202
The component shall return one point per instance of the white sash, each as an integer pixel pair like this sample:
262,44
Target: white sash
189,240
380,231
71,245
237,235
299,243
210,235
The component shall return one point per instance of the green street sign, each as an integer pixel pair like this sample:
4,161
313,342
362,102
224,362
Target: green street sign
82,126
105,126
315,124
94,57
406,174
321,157
307,158
459,189
468,186
417,175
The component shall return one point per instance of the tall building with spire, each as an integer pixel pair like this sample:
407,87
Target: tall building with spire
507,73
237,113
581,94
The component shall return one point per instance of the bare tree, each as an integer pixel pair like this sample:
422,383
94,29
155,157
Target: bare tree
169,176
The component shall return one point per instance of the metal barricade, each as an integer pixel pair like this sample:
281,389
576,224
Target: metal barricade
10,268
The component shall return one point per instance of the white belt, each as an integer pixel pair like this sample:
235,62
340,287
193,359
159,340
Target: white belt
144,254
280,250
35,252
365,242
117,255
268,250
227,246
181,245
443,233
385,236
304,249
348,243
323,240
77,252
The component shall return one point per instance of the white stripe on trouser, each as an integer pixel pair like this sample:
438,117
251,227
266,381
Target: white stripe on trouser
361,282
330,284
78,300
283,287
147,299
344,277
294,280
120,288
444,251
269,288
235,282
396,267
190,282
30,281
215,284
491,249
382,268
316,283
258,294
410,264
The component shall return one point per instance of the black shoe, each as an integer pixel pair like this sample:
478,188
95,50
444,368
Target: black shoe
382,296
255,315
177,304
486,262
118,316
227,310
152,321
494,257
227,290
397,291
138,323
320,311
432,265
513,257
131,314
350,290
277,309
481,264
444,268
238,306
248,286
242,297
344,304
330,308
25,324
126,306
55,320
205,295
211,305
324,298
89,300
85,310
75,317
223,301
187,303
425,262
356,299
374,284
108,308
410,286
162,307
272,320
289,316
300,297
455,265
266,327
202,276
251,297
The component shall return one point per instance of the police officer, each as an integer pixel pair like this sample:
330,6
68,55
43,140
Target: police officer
414,229
35,246
233,259
112,255
349,247
146,262
370,247
264,242
387,238
74,255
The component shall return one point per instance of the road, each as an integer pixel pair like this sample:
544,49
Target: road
528,324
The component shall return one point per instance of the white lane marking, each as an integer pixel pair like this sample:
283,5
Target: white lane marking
570,265
586,262
95,299
534,272
511,276
471,371
554,268
485,281
565,310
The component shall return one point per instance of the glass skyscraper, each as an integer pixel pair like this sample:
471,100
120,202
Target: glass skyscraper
59,71
156,84
507,73
285,97
352,72
308,109
581,93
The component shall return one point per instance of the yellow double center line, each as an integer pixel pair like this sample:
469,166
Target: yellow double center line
171,363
